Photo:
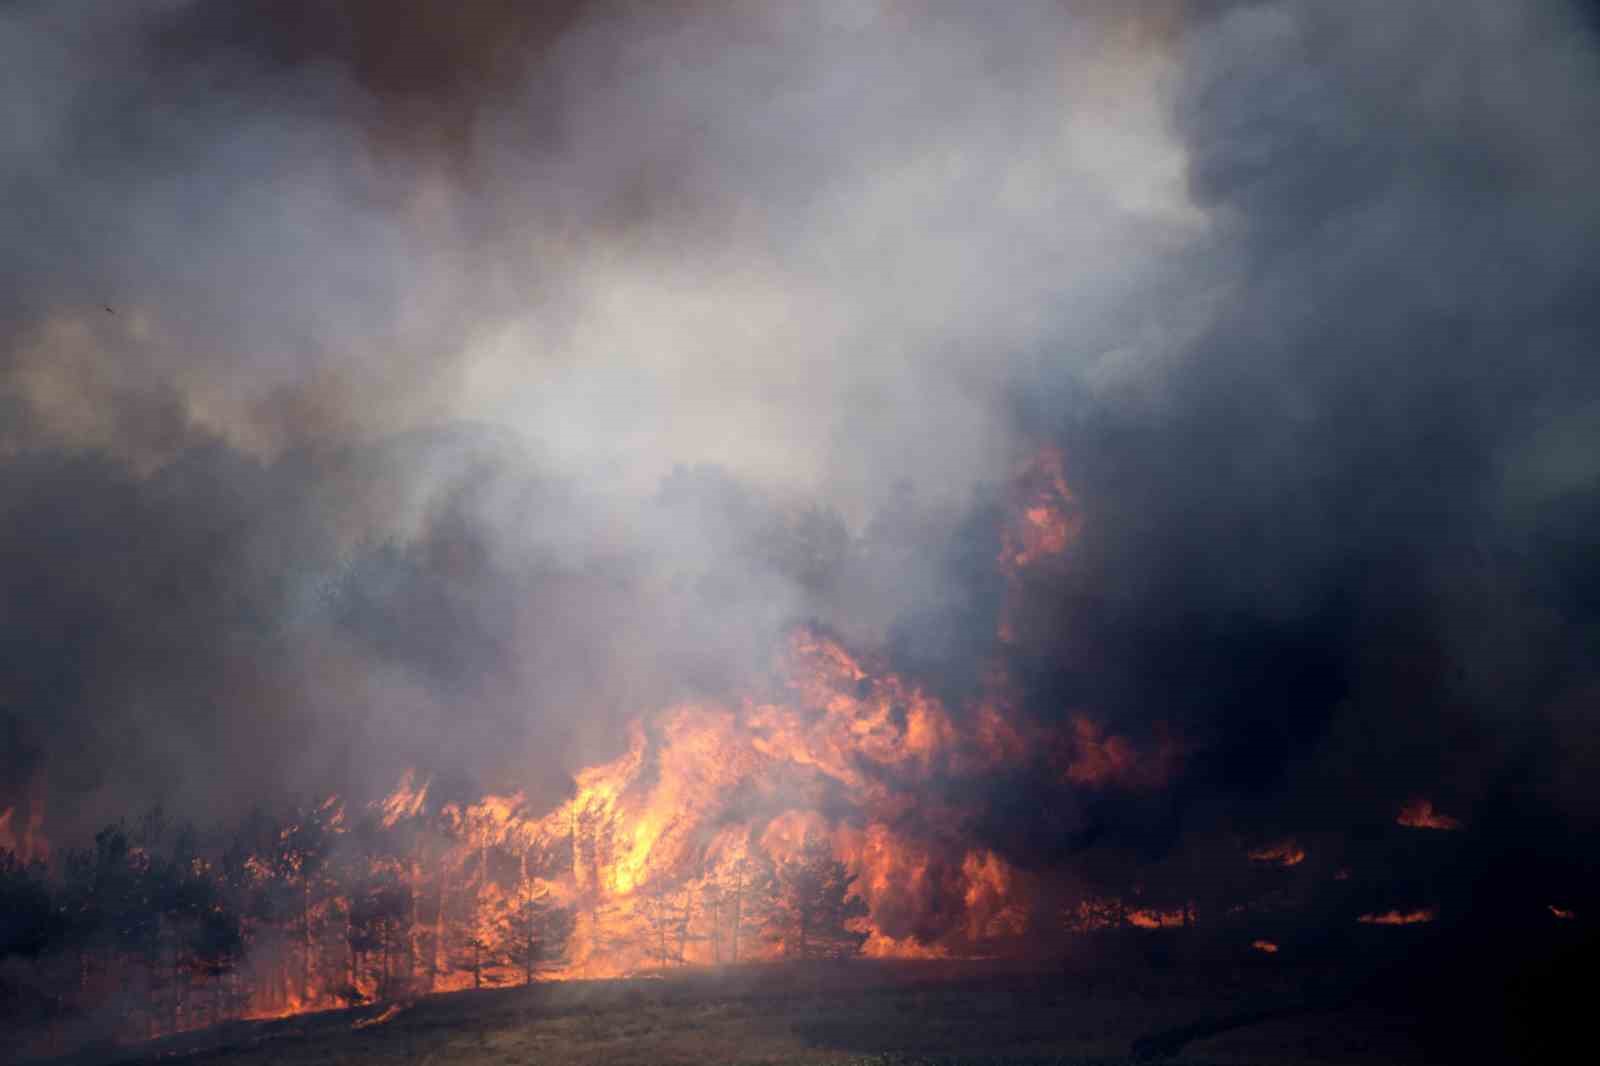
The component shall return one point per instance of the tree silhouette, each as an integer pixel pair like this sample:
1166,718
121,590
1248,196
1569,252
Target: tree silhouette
534,934
28,921
814,914
668,910
745,900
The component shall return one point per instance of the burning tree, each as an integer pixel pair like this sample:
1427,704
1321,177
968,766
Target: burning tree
815,914
533,930
816,817
729,907
379,908
536,932
668,912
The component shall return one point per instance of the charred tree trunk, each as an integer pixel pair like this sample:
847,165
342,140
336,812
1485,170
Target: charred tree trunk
738,910
350,945
715,916
305,940
412,923
683,925
438,933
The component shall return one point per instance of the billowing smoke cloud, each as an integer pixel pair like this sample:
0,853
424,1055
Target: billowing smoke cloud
391,383
1338,537
388,330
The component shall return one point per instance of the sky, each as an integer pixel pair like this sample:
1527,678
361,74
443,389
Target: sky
399,383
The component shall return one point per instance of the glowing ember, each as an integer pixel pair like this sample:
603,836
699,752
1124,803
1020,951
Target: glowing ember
388,1014
1265,946
1562,913
1396,917
1419,814
1283,853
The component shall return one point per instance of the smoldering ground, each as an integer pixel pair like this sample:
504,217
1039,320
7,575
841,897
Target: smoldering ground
382,388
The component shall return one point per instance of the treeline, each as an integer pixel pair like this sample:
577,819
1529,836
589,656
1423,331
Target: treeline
158,928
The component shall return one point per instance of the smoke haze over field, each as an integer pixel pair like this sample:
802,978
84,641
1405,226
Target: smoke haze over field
389,384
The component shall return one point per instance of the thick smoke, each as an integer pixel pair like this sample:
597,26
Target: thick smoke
380,382
1338,539
396,383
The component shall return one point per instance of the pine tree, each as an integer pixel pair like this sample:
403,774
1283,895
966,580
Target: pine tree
747,897
668,910
535,933
593,852
815,913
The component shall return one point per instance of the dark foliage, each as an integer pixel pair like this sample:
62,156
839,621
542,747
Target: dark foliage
815,914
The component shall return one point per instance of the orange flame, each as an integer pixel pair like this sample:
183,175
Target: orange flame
1095,758
1397,917
1419,814
1283,853
661,855
1266,947
27,842
1042,527
1101,913
1047,521
666,832
878,946
1148,918
406,801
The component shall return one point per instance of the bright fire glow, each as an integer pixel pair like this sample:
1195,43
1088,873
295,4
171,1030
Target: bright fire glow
667,854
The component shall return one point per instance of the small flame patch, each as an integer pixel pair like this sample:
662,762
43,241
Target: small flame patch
1283,853
1398,917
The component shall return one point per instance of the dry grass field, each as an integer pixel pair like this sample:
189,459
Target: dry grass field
901,1013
